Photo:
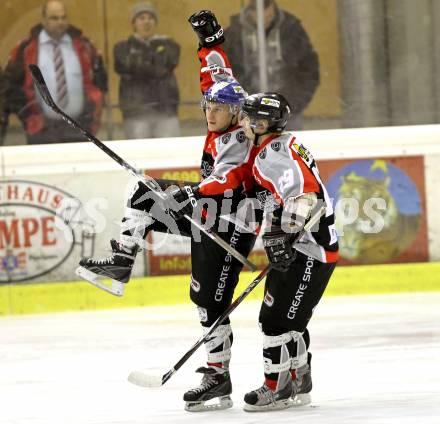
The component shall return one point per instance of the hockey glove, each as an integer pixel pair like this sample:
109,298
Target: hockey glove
183,201
209,31
278,248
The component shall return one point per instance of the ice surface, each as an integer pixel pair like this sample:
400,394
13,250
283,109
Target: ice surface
376,360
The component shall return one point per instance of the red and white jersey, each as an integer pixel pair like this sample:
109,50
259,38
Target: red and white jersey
226,162
214,66
284,169
227,157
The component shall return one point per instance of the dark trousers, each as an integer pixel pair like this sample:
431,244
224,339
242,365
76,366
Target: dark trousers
214,271
291,296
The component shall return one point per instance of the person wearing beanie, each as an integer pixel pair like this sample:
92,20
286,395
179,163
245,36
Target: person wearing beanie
148,91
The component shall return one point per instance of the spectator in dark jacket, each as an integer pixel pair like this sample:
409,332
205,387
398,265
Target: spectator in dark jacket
148,92
292,63
73,71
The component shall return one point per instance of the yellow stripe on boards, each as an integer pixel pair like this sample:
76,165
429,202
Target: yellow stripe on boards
168,290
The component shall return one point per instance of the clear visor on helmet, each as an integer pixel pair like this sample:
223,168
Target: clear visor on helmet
257,124
218,107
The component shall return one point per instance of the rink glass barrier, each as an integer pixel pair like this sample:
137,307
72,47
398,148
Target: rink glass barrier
377,61
69,204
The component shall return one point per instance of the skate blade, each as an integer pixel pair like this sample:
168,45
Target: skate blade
281,404
302,399
116,288
224,402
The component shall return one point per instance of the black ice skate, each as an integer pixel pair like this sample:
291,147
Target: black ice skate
117,267
215,384
302,386
264,399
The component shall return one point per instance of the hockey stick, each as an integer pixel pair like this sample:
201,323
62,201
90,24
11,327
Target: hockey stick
152,184
145,380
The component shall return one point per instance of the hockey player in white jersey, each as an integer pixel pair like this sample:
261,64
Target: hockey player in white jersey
288,186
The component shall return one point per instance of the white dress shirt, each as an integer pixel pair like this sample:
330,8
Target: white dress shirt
72,69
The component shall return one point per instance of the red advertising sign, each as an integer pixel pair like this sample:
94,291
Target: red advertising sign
380,209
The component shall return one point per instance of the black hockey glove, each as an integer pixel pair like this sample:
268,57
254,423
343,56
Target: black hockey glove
184,200
207,28
279,249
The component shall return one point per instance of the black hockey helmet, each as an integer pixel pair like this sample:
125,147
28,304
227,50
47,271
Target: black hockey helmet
272,107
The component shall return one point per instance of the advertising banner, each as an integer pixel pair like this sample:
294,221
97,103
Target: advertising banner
70,202
380,207
39,230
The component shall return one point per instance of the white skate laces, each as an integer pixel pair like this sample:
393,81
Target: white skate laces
103,261
208,381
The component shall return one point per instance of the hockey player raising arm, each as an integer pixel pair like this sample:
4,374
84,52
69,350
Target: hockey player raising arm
288,186
226,166
226,173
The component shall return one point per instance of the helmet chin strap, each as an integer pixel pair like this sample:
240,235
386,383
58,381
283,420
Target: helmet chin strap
261,134
257,136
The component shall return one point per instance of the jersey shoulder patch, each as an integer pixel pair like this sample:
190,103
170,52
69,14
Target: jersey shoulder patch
233,143
225,138
274,151
302,151
240,136
236,136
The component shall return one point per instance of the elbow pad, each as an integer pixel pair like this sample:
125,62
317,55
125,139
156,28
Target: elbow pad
297,210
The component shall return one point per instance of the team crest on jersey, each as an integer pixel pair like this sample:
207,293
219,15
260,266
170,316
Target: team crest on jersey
206,169
263,154
276,146
267,201
226,138
241,136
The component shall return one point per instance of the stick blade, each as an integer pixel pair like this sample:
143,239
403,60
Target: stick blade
40,83
144,380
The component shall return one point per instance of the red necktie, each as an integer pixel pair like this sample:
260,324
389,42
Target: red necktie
60,75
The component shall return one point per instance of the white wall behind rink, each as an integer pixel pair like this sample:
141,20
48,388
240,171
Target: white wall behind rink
85,171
